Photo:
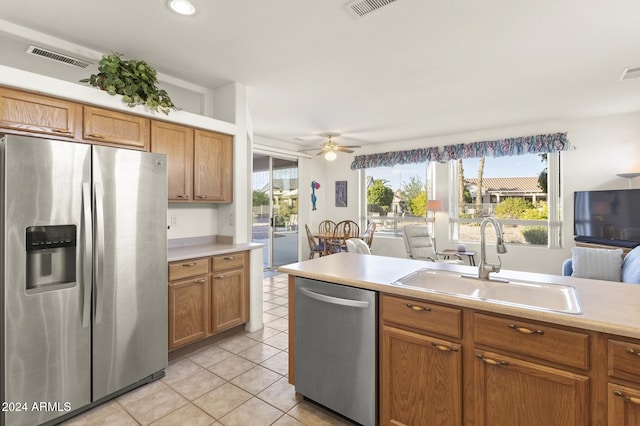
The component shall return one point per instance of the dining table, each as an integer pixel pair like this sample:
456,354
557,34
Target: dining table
324,238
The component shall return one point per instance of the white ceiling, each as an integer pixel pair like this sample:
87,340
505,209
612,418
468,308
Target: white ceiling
413,69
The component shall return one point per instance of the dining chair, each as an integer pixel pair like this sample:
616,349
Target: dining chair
343,231
313,247
326,227
357,245
419,244
368,233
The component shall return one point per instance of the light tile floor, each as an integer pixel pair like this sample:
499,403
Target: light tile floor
241,380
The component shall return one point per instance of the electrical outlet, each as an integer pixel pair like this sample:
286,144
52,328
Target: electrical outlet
174,220
230,218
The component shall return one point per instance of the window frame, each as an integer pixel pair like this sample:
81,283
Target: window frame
554,201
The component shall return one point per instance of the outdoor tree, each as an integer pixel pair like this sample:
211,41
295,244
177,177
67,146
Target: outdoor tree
461,188
418,204
542,177
260,198
413,188
416,195
480,174
379,194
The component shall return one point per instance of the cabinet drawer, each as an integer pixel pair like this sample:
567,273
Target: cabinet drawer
540,341
422,315
228,261
624,360
188,268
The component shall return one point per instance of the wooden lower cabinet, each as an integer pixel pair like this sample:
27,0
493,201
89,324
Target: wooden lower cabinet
511,372
188,311
227,299
624,382
510,391
421,379
624,405
207,296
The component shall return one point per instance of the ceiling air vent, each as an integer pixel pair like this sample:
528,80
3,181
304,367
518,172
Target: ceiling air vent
359,8
630,73
58,57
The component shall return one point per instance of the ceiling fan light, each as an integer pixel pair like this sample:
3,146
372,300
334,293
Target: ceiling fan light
182,7
330,156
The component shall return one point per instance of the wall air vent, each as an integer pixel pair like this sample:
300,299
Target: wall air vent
630,73
58,57
359,8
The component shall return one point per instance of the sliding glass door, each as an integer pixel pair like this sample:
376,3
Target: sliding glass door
275,208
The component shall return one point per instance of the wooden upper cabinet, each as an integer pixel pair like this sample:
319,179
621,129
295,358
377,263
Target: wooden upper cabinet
25,112
213,167
177,143
115,128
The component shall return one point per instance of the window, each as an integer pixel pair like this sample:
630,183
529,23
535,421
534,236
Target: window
396,196
522,192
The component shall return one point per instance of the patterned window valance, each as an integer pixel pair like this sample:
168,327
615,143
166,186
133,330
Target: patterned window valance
537,144
389,159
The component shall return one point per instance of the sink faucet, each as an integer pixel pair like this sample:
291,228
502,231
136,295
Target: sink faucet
484,268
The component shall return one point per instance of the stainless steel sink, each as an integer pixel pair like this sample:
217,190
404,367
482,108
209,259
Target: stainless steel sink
524,294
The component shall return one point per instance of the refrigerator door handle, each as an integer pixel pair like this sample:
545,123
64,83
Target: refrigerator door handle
86,259
99,253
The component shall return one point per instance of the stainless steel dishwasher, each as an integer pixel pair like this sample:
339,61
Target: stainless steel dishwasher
335,348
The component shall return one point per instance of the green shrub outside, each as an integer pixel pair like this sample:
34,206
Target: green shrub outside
535,235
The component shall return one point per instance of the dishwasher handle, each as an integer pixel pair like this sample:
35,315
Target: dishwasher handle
334,300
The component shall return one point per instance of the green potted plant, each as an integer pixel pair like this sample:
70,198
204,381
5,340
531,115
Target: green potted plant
135,80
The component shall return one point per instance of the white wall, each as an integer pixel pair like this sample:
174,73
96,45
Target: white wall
603,147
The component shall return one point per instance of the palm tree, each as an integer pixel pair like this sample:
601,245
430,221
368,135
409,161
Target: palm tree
479,190
460,183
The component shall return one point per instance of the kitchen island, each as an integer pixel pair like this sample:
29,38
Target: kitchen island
444,359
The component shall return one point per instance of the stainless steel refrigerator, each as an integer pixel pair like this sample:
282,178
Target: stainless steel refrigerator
83,271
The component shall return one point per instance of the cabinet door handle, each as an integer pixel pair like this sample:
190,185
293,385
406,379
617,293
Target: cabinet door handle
181,196
201,280
91,135
188,265
219,277
65,132
444,348
201,197
229,258
628,398
491,361
418,308
525,330
632,351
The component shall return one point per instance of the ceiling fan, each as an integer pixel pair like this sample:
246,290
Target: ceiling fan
329,148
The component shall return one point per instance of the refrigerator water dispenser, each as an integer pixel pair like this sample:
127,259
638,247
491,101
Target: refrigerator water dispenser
51,257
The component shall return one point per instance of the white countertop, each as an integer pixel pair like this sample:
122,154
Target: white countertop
607,306
207,249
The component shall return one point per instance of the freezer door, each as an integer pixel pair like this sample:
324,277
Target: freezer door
45,275
130,267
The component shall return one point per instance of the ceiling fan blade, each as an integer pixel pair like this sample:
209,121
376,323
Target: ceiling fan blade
351,146
308,149
343,149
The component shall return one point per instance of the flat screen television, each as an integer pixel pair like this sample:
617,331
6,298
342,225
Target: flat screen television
610,217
